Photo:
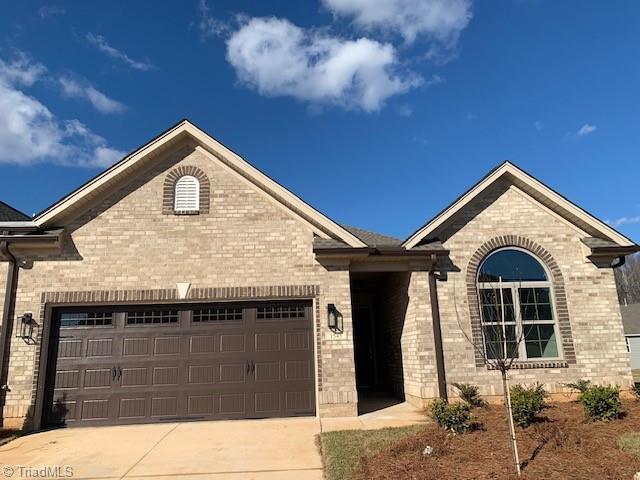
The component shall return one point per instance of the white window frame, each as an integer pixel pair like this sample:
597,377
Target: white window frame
515,295
196,200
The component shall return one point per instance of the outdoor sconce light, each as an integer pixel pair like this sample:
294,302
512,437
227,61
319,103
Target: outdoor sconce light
335,318
26,326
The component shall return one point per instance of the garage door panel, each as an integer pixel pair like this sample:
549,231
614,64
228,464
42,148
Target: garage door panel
167,345
232,404
136,346
201,405
165,375
202,374
267,342
134,377
233,373
267,371
299,401
164,406
67,379
97,378
297,370
99,347
297,340
267,402
95,409
135,407
64,411
70,348
202,344
241,361
233,343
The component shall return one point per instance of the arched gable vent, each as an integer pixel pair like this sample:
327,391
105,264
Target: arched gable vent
187,194
186,190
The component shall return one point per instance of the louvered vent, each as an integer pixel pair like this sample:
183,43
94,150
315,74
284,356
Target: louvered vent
187,194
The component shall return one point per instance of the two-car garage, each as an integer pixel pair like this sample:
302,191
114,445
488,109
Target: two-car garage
153,363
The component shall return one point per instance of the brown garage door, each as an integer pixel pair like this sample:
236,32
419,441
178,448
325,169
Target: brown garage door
166,363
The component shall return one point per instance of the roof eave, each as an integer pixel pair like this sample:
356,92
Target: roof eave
380,251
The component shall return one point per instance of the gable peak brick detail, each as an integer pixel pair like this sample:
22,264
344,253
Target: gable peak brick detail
172,177
557,282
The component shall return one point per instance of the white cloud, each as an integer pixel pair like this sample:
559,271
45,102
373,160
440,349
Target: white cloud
22,70
101,44
31,133
81,89
47,11
586,129
440,21
277,58
210,26
625,221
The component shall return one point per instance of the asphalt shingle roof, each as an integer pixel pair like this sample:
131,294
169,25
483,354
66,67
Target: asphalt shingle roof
10,214
594,242
373,239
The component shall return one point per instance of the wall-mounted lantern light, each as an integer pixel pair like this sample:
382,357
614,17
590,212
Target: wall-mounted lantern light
26,326
334,318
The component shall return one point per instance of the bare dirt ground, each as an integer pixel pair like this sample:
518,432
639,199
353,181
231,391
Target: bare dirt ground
563,445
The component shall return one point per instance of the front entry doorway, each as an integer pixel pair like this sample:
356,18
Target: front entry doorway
378,309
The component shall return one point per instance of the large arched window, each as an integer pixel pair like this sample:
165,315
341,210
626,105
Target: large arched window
187,194
515,298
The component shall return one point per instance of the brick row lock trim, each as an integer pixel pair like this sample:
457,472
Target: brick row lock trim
560,297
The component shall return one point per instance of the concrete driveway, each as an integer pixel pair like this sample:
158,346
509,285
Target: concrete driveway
279,449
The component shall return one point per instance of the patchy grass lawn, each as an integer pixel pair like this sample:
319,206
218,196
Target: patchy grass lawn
562,446
630,442
342,450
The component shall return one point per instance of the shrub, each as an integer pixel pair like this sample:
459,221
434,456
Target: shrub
527,403
469,393
601,403
453,417
580,386
635,388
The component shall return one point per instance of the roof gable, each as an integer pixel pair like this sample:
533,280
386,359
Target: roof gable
537,190
141,157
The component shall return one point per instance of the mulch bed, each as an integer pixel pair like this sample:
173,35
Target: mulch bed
561,446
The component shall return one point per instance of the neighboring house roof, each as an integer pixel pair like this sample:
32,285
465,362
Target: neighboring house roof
536,189
631,318
141,157
10,214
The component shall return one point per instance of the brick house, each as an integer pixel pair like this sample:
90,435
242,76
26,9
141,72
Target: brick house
183,283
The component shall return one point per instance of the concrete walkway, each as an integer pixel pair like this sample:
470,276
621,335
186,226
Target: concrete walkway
272,449
245,449
399,415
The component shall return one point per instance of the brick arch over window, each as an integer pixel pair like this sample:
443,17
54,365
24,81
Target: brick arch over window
560,298
170,184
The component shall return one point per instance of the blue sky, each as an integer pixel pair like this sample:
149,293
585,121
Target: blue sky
377,112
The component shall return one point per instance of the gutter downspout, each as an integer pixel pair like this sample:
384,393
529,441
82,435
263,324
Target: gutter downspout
6,327
437,331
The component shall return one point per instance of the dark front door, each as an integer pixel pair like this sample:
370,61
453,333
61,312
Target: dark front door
154,363
364,346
